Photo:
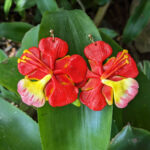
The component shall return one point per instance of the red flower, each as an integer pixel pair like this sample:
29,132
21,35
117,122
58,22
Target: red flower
55,78
114,78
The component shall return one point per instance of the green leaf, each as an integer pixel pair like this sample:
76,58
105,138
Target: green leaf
14,30
145,67
109,32
29,40
69,127
9,75
131,139
2,55
17,130
137,21
73,128
7,6
47,5
21,5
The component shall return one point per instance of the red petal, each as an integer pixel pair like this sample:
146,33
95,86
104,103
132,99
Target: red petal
91,84
98,51
108,94
51,50
93,98
95,67
74,66
129,70
64,92
30,64
109,63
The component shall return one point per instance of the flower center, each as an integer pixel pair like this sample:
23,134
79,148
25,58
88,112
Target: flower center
119,62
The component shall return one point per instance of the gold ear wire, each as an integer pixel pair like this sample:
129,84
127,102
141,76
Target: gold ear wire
52,34
91,38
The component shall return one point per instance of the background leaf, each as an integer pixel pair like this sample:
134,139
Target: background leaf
9,77
137,21
145,67
29,40
2,55
14,30
21,5
17,130
7,6
47,5
131,139
111,33
69,127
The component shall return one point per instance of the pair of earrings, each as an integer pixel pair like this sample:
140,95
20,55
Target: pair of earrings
51,74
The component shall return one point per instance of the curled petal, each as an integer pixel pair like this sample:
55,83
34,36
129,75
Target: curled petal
124,90
93,99
31,92
74,66
63,93
52,50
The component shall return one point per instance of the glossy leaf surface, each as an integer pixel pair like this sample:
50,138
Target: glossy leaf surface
47,5
131,139
17,130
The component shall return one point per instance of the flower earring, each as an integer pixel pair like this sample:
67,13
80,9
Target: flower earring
113,79
50,74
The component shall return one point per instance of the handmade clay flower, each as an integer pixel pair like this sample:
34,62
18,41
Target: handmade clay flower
113,79
47,77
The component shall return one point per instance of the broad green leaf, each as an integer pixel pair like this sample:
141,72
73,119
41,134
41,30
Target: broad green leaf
131,139
137,21
7,6
69,127
2,55
47,5
109,32
29,40
17,130
21,5
138,111
73,128
9,75
145,67
14,30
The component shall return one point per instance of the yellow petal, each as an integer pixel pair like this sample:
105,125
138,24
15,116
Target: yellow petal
124,90
32,91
